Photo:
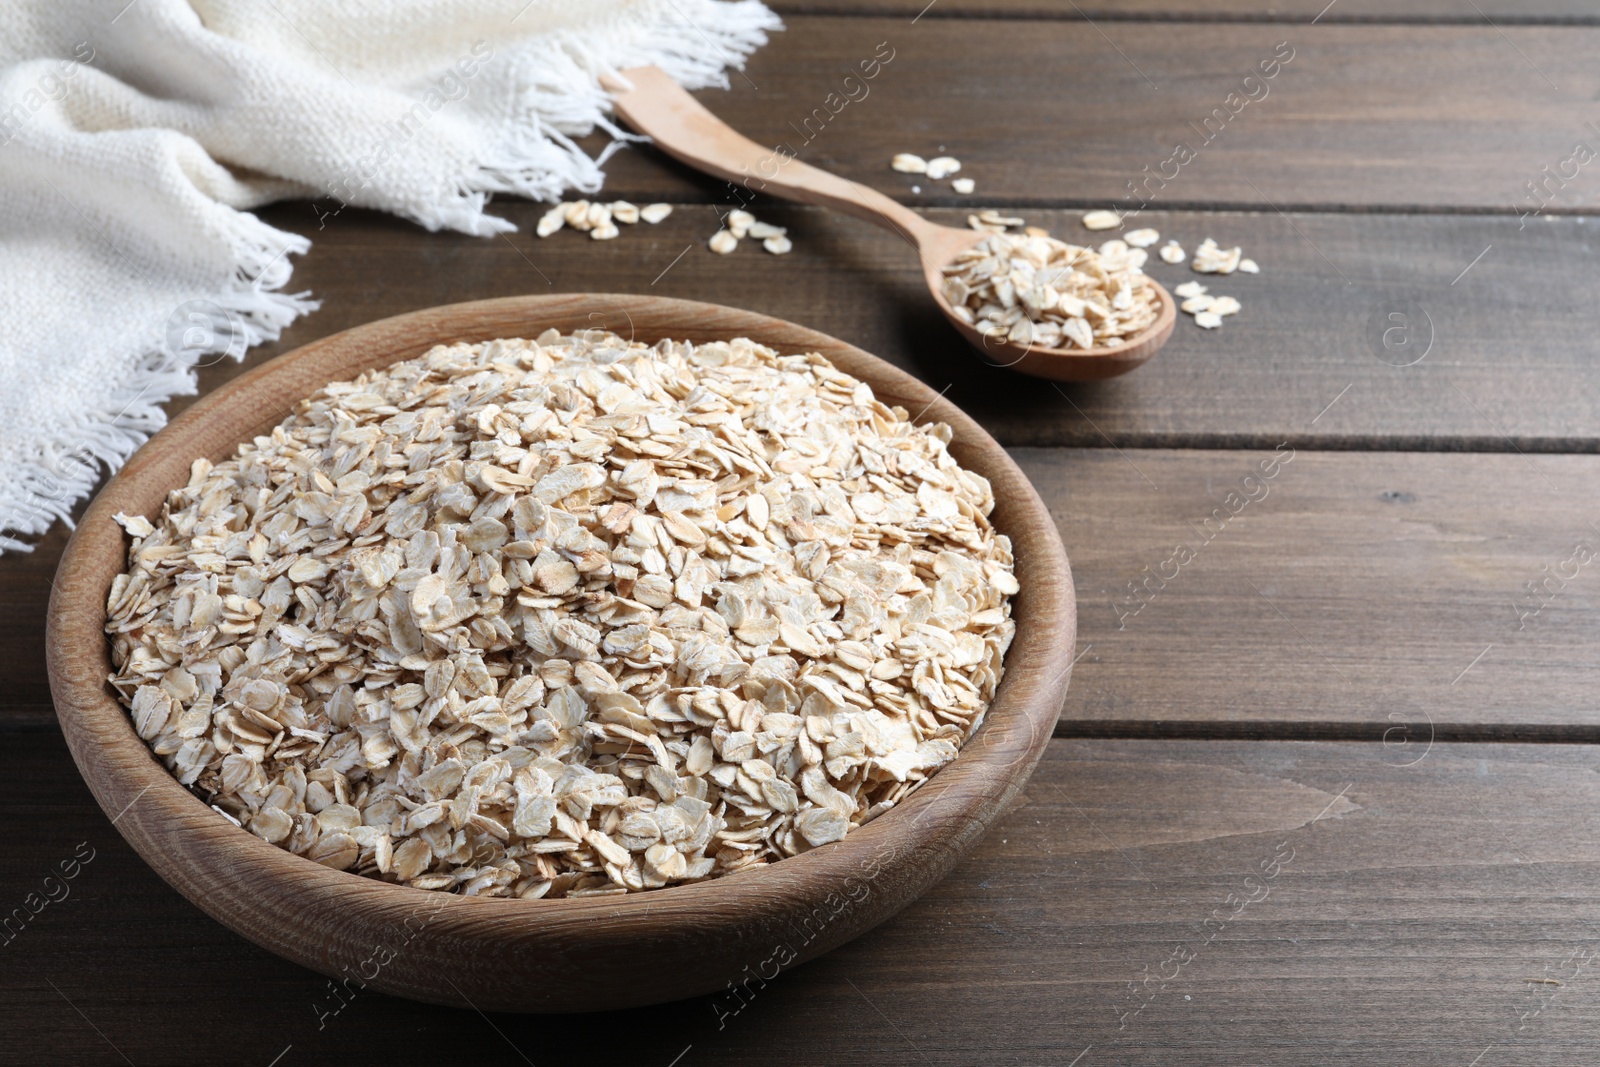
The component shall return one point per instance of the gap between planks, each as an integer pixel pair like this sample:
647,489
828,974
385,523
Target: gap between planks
1370,733
43,720
1079,13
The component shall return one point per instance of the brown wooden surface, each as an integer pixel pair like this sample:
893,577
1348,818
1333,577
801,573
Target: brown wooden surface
1429,911
1354,550
1372,594
1512,364
1421,914
1047,112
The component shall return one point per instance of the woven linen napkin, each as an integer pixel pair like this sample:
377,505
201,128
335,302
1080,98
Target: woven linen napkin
135,137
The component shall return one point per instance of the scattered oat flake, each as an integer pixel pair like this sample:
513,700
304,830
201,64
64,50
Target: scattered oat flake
566,617
722,242
1208,320
906,163
654,213
738,222
778,244
1190,289
1172,252
1142,238
551,221
1225,305
942,167
994,218
963,185
1197,304
1249,266
1101,220
1210,259
599,220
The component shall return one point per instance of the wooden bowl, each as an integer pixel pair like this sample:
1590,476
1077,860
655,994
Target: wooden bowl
546,955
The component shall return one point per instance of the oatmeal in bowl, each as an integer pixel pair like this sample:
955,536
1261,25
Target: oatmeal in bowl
568,616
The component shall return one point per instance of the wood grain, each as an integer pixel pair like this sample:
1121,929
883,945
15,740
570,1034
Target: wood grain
1418,903
1063,113
1375,595
547,955
1511,364
1436,890
1398,568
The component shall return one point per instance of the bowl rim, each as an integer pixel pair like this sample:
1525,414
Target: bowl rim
937,822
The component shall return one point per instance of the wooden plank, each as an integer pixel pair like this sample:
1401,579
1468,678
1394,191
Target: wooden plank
1359,595
1161,902
1392,571
1508,313
24,595
1385,595
1064,112
1503,12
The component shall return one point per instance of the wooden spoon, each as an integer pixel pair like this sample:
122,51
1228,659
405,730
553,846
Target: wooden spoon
685,130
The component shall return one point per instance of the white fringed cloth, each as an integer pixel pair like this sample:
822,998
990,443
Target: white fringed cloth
135,137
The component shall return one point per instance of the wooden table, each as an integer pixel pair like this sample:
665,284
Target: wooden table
1321,793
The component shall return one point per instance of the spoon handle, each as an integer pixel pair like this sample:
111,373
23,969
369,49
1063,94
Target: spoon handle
685,130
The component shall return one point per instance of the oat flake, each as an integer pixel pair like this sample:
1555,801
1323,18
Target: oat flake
567,617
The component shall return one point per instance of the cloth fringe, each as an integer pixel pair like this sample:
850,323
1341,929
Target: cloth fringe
47,488
694,41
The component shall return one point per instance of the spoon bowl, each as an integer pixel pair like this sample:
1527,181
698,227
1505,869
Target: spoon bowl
654,104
